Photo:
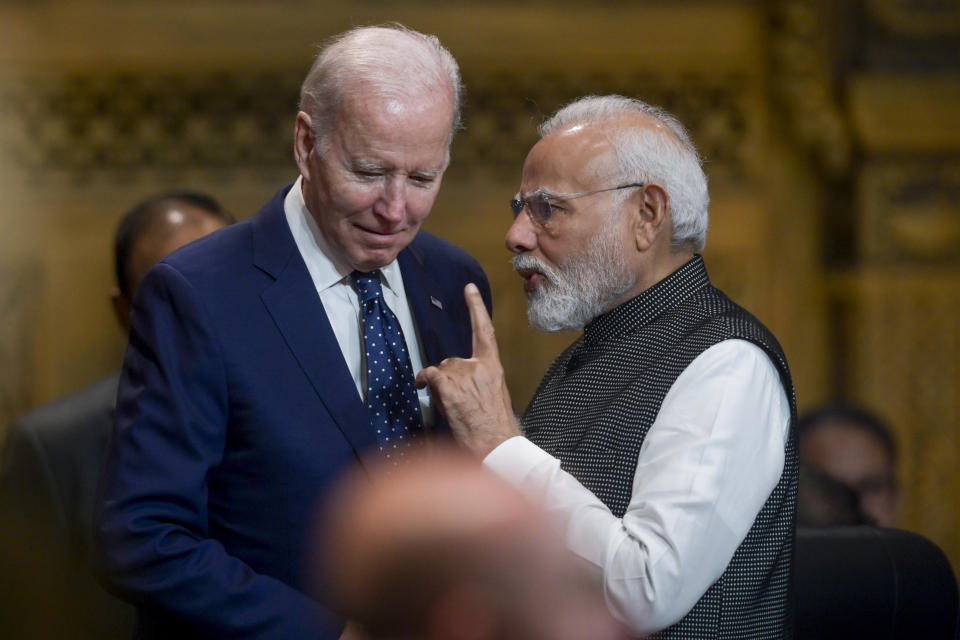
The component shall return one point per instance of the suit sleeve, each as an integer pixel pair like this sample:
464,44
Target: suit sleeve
153,544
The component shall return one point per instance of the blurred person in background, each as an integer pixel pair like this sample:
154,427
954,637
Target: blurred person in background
856,448
445,550
52,456
824,501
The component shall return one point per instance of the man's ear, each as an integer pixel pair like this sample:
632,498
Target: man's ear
651,215
303,143
121,308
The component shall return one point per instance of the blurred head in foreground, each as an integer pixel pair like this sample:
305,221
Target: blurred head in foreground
442,550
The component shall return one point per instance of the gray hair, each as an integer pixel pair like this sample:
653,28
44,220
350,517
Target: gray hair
392,58
645,155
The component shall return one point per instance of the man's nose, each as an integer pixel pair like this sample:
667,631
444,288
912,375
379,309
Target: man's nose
393,202
522,234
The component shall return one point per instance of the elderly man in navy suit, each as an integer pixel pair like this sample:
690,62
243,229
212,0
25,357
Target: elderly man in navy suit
270,357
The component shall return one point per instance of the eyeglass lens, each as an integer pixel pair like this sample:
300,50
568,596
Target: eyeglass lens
537,204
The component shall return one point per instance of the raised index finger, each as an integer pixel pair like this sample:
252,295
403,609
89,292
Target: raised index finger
484,341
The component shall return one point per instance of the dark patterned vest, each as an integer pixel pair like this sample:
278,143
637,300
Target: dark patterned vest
597,401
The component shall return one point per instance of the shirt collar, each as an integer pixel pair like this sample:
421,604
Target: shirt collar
325,267
650,304
391,276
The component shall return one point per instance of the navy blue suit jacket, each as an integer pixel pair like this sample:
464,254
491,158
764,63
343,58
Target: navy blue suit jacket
236,412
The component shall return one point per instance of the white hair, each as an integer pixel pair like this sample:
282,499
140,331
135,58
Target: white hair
395,60
648,155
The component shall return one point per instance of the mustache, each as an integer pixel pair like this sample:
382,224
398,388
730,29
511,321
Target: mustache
527,261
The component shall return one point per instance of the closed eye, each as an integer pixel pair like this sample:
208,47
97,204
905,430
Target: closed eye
556,205
422,180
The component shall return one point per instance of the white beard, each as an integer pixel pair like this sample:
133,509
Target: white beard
582,287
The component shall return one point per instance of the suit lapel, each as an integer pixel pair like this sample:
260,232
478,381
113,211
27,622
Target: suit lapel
293,303
429,305
431,310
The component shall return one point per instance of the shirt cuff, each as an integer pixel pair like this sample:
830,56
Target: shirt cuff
514,459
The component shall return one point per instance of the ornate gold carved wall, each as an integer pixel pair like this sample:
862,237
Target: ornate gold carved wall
899,292
832,163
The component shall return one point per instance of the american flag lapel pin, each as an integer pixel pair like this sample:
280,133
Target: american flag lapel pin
436,303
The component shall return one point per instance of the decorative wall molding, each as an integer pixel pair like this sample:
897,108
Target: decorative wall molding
804,83
504,109
910,212
132,121
917,18
119,123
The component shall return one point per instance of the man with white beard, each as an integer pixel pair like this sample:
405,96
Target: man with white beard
662,439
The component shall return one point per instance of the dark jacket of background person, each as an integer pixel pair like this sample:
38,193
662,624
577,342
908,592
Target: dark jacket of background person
48,479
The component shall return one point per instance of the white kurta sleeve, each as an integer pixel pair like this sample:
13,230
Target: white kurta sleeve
708,464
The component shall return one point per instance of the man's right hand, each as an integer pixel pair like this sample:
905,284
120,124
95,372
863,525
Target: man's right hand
472,393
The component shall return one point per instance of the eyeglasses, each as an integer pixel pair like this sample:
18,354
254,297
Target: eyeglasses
538,205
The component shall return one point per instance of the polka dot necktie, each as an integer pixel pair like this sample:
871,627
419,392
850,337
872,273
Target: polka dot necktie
391,396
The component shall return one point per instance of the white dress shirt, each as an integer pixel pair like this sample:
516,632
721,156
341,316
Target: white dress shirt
331,277
709,462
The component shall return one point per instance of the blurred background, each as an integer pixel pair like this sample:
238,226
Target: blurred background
831,133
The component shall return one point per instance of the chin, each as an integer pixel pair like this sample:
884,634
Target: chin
373,260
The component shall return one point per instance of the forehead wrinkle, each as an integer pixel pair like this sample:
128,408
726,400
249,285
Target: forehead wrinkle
376,165
368,160
544,191
365,165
